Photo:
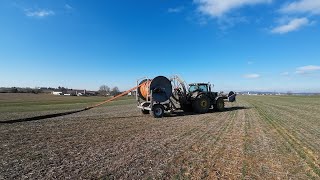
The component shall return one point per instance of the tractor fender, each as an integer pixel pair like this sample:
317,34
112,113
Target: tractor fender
195,95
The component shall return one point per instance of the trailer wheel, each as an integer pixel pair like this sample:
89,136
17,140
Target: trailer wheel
158,111
219,106
201,104
144,111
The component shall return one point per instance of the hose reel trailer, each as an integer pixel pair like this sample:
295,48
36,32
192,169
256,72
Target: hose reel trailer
161,94
158,89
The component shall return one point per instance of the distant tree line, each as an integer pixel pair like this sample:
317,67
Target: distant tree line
105,90
33,90
20,90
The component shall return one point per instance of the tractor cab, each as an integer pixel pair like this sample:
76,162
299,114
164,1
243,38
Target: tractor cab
201,87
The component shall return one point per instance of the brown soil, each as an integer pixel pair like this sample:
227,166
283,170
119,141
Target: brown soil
251,140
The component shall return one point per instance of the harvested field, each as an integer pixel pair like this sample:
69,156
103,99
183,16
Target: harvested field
258,137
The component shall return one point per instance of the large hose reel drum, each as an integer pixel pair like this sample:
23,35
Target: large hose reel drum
160,87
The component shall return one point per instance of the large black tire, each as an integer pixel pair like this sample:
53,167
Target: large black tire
158,111
144,111
232,96
219,106
231,93
187,107
201,104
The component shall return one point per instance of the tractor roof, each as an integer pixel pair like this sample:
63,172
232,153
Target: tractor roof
192,84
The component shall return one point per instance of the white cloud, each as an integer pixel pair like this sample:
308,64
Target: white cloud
292,25
67,6
217,8
250,62
307,69
39,13
175,10
285,74
302,6
251,76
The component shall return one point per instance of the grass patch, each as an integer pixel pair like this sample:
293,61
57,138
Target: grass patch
30,103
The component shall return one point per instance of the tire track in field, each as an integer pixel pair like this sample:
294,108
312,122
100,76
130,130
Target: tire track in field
181,158
209,153
304,103
279,153
262,159
302,130
164,147
312,121
255,147
296,145
198,160
305,138
142,142
140,154
230,156
246,146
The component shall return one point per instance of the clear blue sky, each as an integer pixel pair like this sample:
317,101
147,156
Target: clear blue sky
237,45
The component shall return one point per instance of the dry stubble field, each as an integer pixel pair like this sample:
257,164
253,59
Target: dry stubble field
258,137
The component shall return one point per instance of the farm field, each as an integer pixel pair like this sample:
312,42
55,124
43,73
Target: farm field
258,137
14,106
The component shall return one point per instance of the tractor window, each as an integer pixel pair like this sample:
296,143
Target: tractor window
203,88
193,88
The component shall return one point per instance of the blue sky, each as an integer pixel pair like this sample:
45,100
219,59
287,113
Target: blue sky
267,45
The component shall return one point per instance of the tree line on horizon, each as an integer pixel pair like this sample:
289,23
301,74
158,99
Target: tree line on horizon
104,90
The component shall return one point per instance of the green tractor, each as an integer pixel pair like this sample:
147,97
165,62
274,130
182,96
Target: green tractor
200,99
162,94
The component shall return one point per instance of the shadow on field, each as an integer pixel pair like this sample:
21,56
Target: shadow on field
177,113
40,117
181,113
236,108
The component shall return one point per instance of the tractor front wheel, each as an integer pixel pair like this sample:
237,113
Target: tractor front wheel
219,106
201,104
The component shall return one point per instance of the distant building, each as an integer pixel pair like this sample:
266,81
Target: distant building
132,93
91,93
57,93
80,92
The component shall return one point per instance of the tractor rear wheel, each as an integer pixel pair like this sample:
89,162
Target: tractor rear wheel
201,104
158,111
219,106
